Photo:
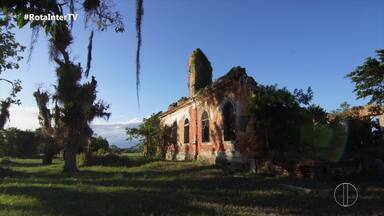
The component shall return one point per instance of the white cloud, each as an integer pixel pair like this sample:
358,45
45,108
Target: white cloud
26,118
134,121
115,131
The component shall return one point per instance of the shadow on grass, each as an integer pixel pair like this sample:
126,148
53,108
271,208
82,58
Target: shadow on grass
21,164
125,202
176,197
194,189
6,172
117,161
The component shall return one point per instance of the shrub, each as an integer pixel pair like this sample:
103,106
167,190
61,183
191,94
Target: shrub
105,159
99,143
18,143
112,159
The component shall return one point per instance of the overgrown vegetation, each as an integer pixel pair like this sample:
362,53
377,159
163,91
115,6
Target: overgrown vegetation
295,129
153,136
281,118
362,135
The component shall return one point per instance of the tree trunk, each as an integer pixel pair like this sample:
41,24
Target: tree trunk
49,152
70,164
47,159
87,153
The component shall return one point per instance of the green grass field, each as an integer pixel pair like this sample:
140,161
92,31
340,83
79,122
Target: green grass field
167,188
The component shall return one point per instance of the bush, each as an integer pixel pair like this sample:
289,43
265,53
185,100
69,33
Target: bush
99,143
104,159
111,159
18,143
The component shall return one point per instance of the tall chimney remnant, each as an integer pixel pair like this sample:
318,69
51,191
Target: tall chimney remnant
199,72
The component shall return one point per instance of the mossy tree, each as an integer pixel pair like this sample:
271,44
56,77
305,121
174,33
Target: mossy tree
45,121
76,103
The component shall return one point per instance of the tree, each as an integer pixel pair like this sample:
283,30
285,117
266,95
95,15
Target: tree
98,12
76,107
75,101
9,59
152,135
369,79
280,117
45,120
99,143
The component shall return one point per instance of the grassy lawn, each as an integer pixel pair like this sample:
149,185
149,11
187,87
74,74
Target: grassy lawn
168,188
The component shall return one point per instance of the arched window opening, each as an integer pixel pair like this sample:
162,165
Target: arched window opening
186,131
229,120
174,133
205,127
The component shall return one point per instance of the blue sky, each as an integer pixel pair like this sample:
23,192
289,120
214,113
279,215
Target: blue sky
293,43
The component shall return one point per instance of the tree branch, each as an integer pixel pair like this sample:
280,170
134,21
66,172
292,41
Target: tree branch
8,81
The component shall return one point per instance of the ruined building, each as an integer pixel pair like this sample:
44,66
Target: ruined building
214,122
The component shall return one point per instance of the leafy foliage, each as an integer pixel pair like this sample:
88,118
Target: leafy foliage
9,59
99,143
152,135
296,129
369,79
9,49
281,116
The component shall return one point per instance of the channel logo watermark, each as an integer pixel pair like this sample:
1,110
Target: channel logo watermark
346,194
50,17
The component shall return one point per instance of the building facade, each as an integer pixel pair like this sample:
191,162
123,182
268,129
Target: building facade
214,122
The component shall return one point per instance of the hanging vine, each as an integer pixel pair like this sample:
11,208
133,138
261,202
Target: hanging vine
139,19
89,57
